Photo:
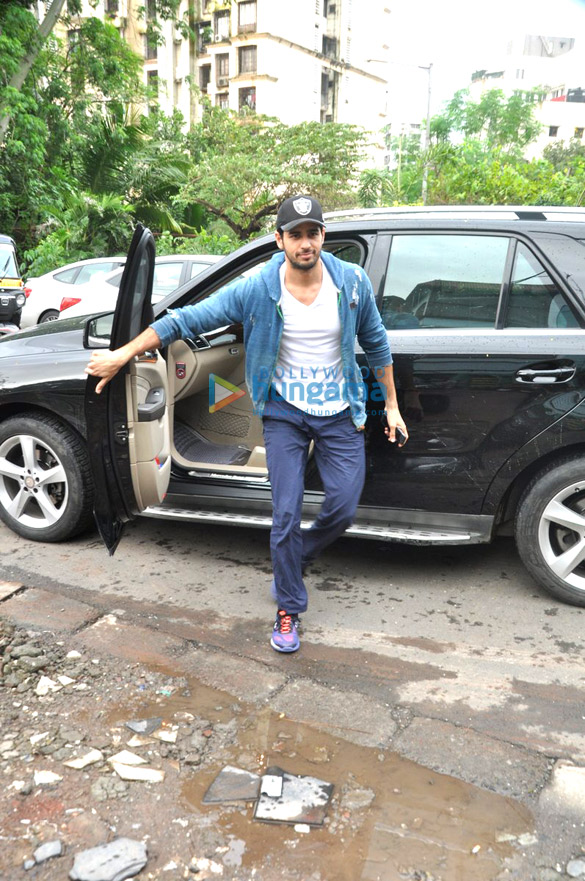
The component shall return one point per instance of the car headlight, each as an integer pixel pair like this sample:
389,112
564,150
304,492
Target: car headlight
20,300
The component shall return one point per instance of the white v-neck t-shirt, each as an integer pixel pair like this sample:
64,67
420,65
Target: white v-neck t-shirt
309,370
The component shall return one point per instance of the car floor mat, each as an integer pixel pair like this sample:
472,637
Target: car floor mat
194,447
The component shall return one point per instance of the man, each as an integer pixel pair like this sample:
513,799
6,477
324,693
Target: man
300,316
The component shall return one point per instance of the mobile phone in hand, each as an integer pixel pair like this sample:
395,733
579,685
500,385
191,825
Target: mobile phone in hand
400,436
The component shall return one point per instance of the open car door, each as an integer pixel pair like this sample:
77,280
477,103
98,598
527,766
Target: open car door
128,423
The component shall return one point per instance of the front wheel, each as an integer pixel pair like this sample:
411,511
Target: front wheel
46,493
550,530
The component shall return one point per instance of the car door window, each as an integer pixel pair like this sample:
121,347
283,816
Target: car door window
196,267
351,252
94,270
68,276
535,300
443,281
167,277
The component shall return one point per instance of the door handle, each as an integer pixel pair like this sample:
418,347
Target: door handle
154,405
546,376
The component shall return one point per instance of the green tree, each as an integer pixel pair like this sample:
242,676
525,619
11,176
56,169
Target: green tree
87,226
244,165
507,123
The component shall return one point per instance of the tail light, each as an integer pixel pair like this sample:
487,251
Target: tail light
66,302
27,291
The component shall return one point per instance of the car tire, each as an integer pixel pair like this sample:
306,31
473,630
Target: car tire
550,530
49,315
33,449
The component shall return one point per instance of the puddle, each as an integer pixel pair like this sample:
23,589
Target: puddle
389,818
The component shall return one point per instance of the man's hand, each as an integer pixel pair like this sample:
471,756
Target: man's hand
105,364
394,423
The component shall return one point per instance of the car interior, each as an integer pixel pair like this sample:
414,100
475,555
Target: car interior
225,440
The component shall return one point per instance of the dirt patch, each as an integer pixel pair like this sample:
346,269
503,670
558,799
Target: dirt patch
389,817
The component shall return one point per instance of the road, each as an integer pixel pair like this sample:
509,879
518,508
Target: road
450,657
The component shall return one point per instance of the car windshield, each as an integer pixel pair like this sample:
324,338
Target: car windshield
8,267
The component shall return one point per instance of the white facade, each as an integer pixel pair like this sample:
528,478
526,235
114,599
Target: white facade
307,60
554,65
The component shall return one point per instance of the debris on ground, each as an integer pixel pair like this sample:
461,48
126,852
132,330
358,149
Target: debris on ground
115,861
302,800
233,784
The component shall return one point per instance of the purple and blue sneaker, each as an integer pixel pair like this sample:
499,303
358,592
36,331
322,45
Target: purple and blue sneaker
285,637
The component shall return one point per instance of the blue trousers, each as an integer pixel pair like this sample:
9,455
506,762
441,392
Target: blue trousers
340,457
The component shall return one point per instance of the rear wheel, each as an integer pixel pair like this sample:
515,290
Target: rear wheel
550,530
49,315
46,492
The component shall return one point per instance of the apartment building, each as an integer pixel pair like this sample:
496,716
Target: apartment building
307,60
554,66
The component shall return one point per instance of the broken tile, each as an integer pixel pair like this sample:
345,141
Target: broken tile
46,778
271,785
232,784
167,735
36,738
125,757
144,726
46,685
65,680
90,758
137,772
303,800
140,740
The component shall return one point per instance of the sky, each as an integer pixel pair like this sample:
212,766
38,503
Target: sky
459,37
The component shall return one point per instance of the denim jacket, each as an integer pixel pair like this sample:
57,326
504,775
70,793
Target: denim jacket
255,303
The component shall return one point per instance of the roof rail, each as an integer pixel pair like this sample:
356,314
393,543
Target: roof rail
520,212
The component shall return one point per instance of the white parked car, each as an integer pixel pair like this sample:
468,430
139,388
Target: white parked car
170,272
45,292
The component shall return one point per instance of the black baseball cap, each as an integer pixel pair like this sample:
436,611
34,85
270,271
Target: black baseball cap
299,209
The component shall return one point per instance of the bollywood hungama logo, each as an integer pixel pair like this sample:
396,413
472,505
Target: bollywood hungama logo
222,392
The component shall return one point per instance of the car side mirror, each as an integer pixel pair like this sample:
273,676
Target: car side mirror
98,332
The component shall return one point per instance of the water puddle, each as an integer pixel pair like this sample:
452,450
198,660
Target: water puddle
389,818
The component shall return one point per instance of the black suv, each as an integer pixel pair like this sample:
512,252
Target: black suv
485,310
12,296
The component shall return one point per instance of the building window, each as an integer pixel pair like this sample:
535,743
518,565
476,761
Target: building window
150,10
222,26
222,69
222,100
111,7
204,37
152,88
519,74
247,17
329,47
150,48
204,77
247,59
247,99
553,131
579,133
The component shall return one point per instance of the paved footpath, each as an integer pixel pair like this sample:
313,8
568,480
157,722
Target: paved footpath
394,697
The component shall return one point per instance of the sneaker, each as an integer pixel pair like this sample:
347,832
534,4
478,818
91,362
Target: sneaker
285,637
